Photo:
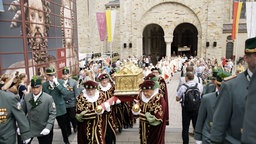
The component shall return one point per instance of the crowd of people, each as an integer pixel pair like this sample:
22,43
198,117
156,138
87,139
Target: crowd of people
212,94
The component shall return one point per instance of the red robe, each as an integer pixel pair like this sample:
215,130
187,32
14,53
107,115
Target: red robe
93,129
153,134
110,116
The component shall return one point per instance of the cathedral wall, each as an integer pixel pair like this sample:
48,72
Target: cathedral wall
133,16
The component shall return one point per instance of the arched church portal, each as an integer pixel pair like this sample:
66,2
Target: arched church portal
153,42
185,40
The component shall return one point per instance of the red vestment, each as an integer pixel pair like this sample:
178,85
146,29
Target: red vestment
153,134
163,90
93,129
110,116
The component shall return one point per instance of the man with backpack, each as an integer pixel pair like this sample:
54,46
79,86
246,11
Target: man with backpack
190,95
196,78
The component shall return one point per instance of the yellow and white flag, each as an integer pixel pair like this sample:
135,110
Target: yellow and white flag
111,21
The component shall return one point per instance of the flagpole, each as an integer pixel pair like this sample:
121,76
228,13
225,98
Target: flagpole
102,49
111,54
235,46
235,32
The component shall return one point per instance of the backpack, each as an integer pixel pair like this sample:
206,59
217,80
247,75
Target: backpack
191,98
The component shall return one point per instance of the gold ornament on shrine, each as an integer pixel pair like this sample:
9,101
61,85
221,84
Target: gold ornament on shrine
128,79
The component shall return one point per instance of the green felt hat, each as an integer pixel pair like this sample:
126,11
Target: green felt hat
65,71
50,71
36,81
221,75
75,77
250,45
151,77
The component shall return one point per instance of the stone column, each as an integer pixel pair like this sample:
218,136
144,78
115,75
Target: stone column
139,46
168,41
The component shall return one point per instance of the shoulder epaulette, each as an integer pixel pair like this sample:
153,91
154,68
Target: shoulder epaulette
230,77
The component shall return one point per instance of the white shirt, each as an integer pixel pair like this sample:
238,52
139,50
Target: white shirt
249,73
183,88
196,80
51,84
36,96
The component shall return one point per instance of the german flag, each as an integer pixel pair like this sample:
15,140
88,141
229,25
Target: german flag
236,16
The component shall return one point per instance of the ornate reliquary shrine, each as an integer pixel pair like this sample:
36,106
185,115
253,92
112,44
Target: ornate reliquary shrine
128,79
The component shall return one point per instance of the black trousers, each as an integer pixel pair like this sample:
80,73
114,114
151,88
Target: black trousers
187,116
62,122
110,136
71,113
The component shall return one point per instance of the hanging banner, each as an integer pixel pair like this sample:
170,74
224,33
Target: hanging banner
236,16
101,20
113,22
111,19
251,19
1,6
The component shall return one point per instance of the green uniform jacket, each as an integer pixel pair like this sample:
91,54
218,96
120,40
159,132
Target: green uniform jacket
205,116
229,112
209,88
10,113
249,125
40,116
72,93
58,94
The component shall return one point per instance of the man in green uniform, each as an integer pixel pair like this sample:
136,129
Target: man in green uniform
55,88
41,112
10,113
229,112
70,99
206,110
249,127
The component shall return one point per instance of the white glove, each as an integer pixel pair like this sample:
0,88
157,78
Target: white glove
101,112
55,81
18,131
118,101
198,142
26,141
45,131
107,106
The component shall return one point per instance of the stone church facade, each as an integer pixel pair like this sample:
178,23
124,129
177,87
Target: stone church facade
162,28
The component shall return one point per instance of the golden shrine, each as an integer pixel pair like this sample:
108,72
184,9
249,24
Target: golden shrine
128,79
